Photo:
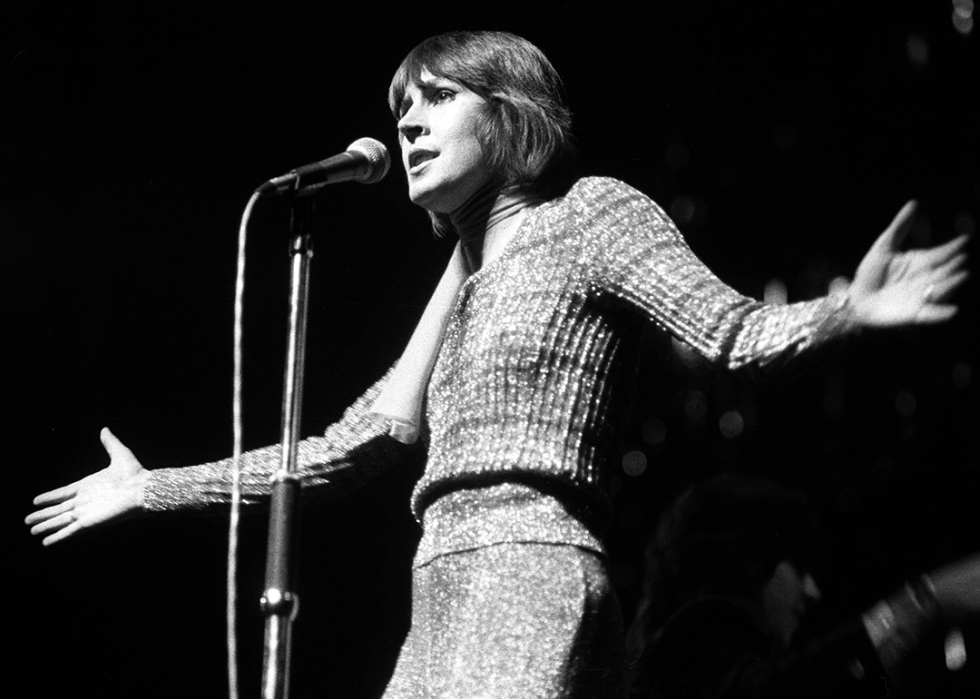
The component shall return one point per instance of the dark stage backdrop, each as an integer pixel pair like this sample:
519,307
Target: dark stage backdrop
782,142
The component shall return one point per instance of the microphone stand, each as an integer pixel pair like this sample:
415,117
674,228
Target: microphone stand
280,602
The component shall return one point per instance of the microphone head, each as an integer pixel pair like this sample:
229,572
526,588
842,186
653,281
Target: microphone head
377,155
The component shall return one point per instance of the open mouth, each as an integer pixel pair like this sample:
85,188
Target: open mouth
419,157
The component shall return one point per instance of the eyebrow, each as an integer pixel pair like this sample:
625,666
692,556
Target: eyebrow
434,83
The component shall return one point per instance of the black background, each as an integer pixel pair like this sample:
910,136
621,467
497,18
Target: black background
782,140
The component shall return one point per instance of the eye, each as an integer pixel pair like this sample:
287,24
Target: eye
443,95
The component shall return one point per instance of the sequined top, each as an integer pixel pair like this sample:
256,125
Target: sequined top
534,375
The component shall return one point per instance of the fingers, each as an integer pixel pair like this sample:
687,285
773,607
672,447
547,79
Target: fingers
61,535
936,271
894,235
899,228
114,448
950,253
52,497
54,523
944,286
933,309
58,523
935,313
112,445
47,514
121,457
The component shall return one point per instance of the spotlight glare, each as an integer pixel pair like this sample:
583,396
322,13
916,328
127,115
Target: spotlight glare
964,25
917,49
905,403
696,406
731,424
634,463
963,8
683,209
688,355
654,431
775,292
962,376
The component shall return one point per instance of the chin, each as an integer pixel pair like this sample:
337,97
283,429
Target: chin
430,201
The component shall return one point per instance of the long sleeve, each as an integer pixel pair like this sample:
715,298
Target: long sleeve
538,359
643,259
349,454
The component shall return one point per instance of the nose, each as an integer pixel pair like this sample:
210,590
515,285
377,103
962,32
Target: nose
410,125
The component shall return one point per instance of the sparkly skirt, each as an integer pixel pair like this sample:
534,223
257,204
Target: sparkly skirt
512,621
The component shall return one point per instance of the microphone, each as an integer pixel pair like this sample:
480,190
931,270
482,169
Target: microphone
365,160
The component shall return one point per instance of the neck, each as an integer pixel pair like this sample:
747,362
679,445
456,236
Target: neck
487,221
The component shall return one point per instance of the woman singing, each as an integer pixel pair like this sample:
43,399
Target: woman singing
517,378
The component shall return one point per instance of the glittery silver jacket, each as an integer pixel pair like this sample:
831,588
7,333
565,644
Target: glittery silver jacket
533,377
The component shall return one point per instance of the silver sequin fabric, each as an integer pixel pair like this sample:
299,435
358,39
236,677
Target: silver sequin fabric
511,621
524,407
534,374
536,367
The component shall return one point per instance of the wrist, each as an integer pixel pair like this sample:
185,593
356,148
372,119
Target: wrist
844,318
852,307
140,481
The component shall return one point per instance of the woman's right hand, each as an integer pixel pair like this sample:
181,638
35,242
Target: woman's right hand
109,494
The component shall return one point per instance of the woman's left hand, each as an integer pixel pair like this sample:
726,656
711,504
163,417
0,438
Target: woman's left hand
894,288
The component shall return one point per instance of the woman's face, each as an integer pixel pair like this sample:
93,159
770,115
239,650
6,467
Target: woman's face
440,151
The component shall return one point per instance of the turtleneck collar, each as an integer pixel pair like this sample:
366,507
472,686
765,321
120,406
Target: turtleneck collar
486,221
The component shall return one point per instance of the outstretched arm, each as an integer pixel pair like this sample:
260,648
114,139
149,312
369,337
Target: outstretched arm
350,454
893,288
643,258
109,494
